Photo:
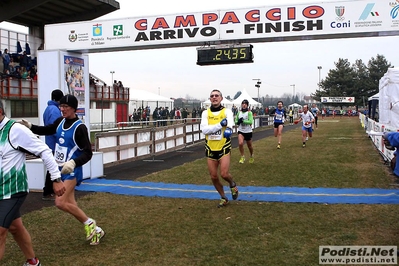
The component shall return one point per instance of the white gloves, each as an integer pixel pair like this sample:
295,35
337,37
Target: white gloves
25,123
68,167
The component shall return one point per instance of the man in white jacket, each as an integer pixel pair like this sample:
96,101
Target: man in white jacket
15,141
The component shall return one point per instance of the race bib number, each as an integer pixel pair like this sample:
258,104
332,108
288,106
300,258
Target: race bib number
215,136
60,153
279,117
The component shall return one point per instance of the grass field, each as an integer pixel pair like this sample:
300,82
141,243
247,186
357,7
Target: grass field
165,231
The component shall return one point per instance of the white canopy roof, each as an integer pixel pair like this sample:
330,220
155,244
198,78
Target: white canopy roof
295,105
140,98
140,95
245,96
389,98
374,97
225,102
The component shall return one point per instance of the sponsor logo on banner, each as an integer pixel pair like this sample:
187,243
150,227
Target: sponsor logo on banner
73,36
117,30
369,17
118,33
394,13
339,11
97,33
368,10
97,30
340,19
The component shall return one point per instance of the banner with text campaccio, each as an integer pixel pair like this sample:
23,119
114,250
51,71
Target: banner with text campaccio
275,23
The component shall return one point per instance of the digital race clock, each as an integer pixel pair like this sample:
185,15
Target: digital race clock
227,54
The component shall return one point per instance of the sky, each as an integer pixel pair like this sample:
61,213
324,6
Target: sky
172,72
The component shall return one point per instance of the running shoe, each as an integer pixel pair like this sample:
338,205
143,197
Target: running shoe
307,138
96,238
242,160
251,160
278,146
90,230
48,197
234,192
223,202
303,145
32,263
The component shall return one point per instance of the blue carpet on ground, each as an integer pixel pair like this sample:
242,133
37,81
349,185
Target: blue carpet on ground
267,194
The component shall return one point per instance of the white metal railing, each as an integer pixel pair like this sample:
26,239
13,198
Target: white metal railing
369,124
138,142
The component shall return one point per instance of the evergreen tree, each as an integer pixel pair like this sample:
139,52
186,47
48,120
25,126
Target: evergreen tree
355,80
377,67
339,81
362,82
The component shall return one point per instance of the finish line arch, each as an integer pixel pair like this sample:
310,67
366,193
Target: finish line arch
331,20
67,45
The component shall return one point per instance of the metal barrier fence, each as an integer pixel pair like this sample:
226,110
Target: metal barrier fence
370,125
129,142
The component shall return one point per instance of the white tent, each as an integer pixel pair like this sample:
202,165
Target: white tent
140,98
374,97
295,106
245,96
225,102
389,98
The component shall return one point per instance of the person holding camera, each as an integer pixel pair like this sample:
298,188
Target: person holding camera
216,125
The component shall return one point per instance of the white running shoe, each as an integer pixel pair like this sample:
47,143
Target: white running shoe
90,230
96,238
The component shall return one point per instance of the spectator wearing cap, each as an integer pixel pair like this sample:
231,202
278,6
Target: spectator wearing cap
51,113
72,151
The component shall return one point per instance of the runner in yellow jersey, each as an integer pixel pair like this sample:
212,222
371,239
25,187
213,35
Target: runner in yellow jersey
216,124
